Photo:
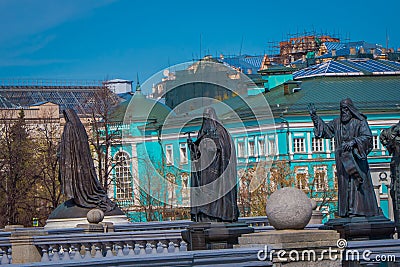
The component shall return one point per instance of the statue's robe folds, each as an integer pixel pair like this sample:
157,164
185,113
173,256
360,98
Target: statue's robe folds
214,174
356,194
77,173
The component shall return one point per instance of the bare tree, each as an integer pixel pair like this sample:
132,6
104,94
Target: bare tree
48,188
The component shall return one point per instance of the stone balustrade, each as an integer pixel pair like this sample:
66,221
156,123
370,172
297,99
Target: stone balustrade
85,246
127,240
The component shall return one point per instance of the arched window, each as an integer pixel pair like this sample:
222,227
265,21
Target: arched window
123,177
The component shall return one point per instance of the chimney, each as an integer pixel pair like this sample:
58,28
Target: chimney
333,52
352,51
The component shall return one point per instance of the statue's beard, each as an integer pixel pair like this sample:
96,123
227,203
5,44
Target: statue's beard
345,117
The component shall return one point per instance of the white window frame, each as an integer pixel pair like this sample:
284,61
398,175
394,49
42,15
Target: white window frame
123,177
317,144
299,182
241,149
318,184
299,145
251,147
261,147
183,152
169,154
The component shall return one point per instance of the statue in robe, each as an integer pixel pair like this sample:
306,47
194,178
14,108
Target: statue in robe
353,143
390,138
214,175
78,176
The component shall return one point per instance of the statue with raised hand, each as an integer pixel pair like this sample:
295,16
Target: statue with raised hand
353,142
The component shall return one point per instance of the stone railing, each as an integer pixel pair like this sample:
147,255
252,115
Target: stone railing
73,244
40,246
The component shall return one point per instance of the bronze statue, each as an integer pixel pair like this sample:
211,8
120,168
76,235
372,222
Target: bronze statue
214,174
390,138
77,173
353,142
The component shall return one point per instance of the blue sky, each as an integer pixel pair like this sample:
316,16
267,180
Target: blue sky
104,39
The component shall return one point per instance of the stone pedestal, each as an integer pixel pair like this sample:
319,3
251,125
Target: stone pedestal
358,228
69,215
200,236
296,248
23,249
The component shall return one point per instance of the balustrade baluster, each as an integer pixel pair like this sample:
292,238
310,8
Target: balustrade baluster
87,254
148,248
171,247
66,252
4,256
183,246
55,250
131,247
142,246
118,248
125,249
98,253
160,248
76,248
108,249
45,253
136,249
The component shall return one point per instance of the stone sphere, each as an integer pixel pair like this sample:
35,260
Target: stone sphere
288,208
95,216
313,204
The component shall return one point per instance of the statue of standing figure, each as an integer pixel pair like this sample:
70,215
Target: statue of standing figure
214,174
77,172
390,138
353,143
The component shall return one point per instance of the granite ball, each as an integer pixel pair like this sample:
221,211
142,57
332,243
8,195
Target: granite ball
95,216
313,204
289,208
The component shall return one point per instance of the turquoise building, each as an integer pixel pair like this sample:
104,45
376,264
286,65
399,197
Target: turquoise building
155,161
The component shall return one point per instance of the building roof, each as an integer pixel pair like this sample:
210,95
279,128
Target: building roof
245,62
350,67
367,92
5,103
139,108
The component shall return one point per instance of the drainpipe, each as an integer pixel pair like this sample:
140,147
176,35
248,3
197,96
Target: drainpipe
287,137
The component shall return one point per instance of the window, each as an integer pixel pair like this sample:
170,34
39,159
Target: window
320,182
169,153
251,147
261,147
185,189
317,145
299,145
183,153
171,187
241,149
123,177
302,178
375,142
332,143
271,147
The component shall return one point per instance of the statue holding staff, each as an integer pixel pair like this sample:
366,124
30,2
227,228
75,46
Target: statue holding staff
214,174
